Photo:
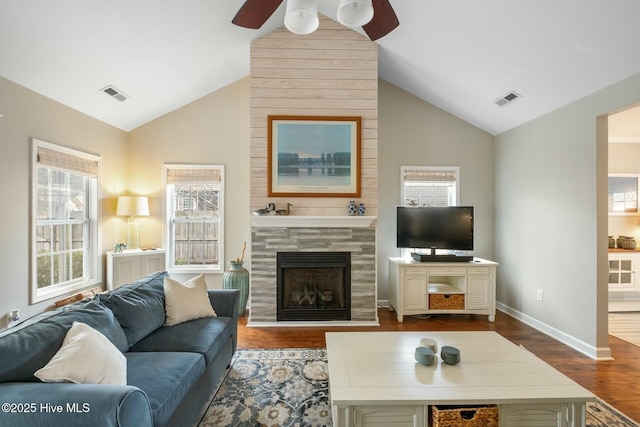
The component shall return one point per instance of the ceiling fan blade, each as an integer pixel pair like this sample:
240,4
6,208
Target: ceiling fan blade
254,13
384,20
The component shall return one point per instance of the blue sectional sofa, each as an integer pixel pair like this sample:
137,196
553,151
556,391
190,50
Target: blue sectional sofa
171,371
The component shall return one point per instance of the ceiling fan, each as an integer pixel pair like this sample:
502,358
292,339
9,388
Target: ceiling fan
254,13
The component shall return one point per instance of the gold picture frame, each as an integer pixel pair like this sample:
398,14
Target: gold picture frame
314,156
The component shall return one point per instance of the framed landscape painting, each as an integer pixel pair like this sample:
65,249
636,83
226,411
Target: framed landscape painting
313,156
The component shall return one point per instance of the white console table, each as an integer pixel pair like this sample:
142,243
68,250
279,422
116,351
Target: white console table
131,265
421,287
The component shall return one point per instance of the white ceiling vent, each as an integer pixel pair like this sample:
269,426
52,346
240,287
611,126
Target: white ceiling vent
115,93
507,99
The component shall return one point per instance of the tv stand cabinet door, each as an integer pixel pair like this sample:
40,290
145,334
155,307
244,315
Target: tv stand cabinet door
478,295
407,288
415,287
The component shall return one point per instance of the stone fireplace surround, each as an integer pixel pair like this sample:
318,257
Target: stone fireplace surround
271,234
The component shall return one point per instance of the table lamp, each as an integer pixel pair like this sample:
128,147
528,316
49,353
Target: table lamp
133,206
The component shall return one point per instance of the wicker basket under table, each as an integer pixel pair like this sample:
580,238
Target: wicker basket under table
465,416
446,301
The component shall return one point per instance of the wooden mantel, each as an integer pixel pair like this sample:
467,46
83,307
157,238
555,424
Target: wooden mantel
308,221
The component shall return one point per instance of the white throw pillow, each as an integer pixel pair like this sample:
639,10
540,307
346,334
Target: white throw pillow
85,357
186,301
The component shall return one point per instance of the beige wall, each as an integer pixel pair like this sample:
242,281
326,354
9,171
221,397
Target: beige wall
551,217
29,115
415,133
331,72
211,130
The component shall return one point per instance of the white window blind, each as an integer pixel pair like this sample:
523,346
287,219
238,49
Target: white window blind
425,186
193,176
67,162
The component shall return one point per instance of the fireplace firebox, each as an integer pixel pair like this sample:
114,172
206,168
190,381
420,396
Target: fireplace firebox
313,286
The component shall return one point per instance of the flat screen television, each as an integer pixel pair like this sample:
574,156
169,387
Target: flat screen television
421,227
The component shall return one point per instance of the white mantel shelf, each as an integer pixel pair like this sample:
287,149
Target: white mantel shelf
308,221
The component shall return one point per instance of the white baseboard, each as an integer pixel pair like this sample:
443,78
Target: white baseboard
597,353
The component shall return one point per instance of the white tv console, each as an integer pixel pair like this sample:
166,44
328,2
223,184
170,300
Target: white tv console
421,287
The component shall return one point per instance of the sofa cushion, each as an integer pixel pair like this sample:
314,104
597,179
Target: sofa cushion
30,345
138,306
165,377
205,336
186,301
86,357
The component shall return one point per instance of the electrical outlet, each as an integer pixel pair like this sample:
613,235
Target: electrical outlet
540,295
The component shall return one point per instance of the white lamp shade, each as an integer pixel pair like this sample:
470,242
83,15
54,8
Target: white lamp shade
302,16
355,13
132,206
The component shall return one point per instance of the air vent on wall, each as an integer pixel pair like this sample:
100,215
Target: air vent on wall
115,93
507,99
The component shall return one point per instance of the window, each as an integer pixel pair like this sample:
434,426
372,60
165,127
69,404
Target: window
430,185
623,194
194,197
64,245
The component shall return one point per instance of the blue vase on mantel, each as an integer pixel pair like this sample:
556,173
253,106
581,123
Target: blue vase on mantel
352,207
237,277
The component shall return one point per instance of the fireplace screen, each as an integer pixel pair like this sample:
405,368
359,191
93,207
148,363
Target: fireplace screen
314,285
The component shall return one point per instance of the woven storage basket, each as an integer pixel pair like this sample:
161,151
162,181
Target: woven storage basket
465,416
446,301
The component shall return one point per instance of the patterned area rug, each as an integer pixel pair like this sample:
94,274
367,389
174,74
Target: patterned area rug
290,388
601,414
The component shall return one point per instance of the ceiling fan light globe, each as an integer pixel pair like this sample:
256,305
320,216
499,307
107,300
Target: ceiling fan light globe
355,13
301,17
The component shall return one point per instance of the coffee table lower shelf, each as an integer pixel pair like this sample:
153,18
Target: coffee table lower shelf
374,380
522,415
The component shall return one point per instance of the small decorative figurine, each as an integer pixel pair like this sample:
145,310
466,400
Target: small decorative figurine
285,211
270,207
119,247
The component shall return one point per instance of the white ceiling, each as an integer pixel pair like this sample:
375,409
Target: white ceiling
460,55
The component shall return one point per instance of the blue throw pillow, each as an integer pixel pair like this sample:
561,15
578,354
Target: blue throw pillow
139,306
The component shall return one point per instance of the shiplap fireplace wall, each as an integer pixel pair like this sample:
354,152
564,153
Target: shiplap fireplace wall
331,72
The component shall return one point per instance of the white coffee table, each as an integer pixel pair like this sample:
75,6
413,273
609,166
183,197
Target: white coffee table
373,378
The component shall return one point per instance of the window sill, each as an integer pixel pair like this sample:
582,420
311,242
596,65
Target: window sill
41,295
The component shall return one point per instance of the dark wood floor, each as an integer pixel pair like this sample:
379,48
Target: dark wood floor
617,381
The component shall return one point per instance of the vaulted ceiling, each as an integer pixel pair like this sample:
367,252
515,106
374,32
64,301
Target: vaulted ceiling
459,55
